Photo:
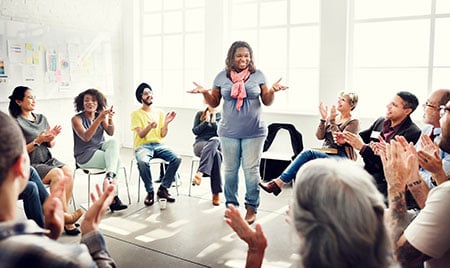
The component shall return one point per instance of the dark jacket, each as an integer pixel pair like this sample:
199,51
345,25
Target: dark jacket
372,162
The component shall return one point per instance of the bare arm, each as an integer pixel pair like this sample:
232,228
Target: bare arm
398,162
255,239
212,96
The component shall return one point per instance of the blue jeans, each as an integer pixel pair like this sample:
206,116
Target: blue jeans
34,196
291,171
145,153
248,152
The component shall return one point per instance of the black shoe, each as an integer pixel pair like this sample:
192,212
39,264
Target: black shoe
159,180
72,232
150,199
164,193
117,204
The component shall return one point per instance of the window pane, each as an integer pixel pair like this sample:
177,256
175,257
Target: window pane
365,9
194,3
304,47
171,93
173,4
173,22
392,43
151,53
194,20
249,36
152,5
304,11
442,43
151,24
273,13
173,52
272,50
194,51
442,6
377,87
244,15
304,90
441,78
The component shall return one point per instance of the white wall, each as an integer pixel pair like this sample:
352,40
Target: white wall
99,15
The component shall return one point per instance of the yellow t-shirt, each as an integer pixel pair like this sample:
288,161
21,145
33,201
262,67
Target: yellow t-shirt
140,118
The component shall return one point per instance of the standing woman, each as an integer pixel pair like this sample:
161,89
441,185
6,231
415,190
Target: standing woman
90,148
241,130
39,137
207,147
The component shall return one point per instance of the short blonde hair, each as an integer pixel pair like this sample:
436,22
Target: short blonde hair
352,96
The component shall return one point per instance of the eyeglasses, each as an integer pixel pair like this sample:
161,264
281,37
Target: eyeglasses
443,110
147,93
427,104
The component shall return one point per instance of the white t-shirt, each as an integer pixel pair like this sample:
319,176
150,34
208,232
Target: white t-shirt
429,231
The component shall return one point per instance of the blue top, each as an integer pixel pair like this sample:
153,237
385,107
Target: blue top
82,150
247,122
425,174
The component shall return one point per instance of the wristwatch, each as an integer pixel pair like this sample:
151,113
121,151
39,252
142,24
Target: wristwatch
35,143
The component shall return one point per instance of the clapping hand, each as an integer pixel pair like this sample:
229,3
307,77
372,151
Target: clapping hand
101,202
428,155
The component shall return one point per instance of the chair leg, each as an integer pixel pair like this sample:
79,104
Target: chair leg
89,191
176,182
126,183
190,178
139,188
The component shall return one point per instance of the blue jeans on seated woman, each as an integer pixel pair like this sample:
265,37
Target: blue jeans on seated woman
34,196
291,171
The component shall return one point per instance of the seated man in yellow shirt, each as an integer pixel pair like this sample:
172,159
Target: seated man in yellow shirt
150,126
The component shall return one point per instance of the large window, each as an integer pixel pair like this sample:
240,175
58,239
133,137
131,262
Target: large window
398,45
284,35
172,35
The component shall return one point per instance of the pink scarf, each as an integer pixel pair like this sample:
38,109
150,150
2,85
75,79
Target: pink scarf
238,89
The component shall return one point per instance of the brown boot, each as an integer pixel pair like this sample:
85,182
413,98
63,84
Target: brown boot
73,217
216,199
250,216
270,187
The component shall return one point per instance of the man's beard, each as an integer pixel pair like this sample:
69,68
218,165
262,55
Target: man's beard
148,102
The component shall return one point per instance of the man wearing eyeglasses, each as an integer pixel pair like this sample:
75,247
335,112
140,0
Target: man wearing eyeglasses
432,129
396,122
150,125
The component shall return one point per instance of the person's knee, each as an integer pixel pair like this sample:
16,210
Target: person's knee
142,164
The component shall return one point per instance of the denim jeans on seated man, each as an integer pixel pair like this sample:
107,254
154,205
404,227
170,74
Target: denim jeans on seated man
34,196
145,153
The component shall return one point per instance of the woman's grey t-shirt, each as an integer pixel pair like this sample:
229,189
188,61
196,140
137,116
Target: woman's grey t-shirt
84,150
247,122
